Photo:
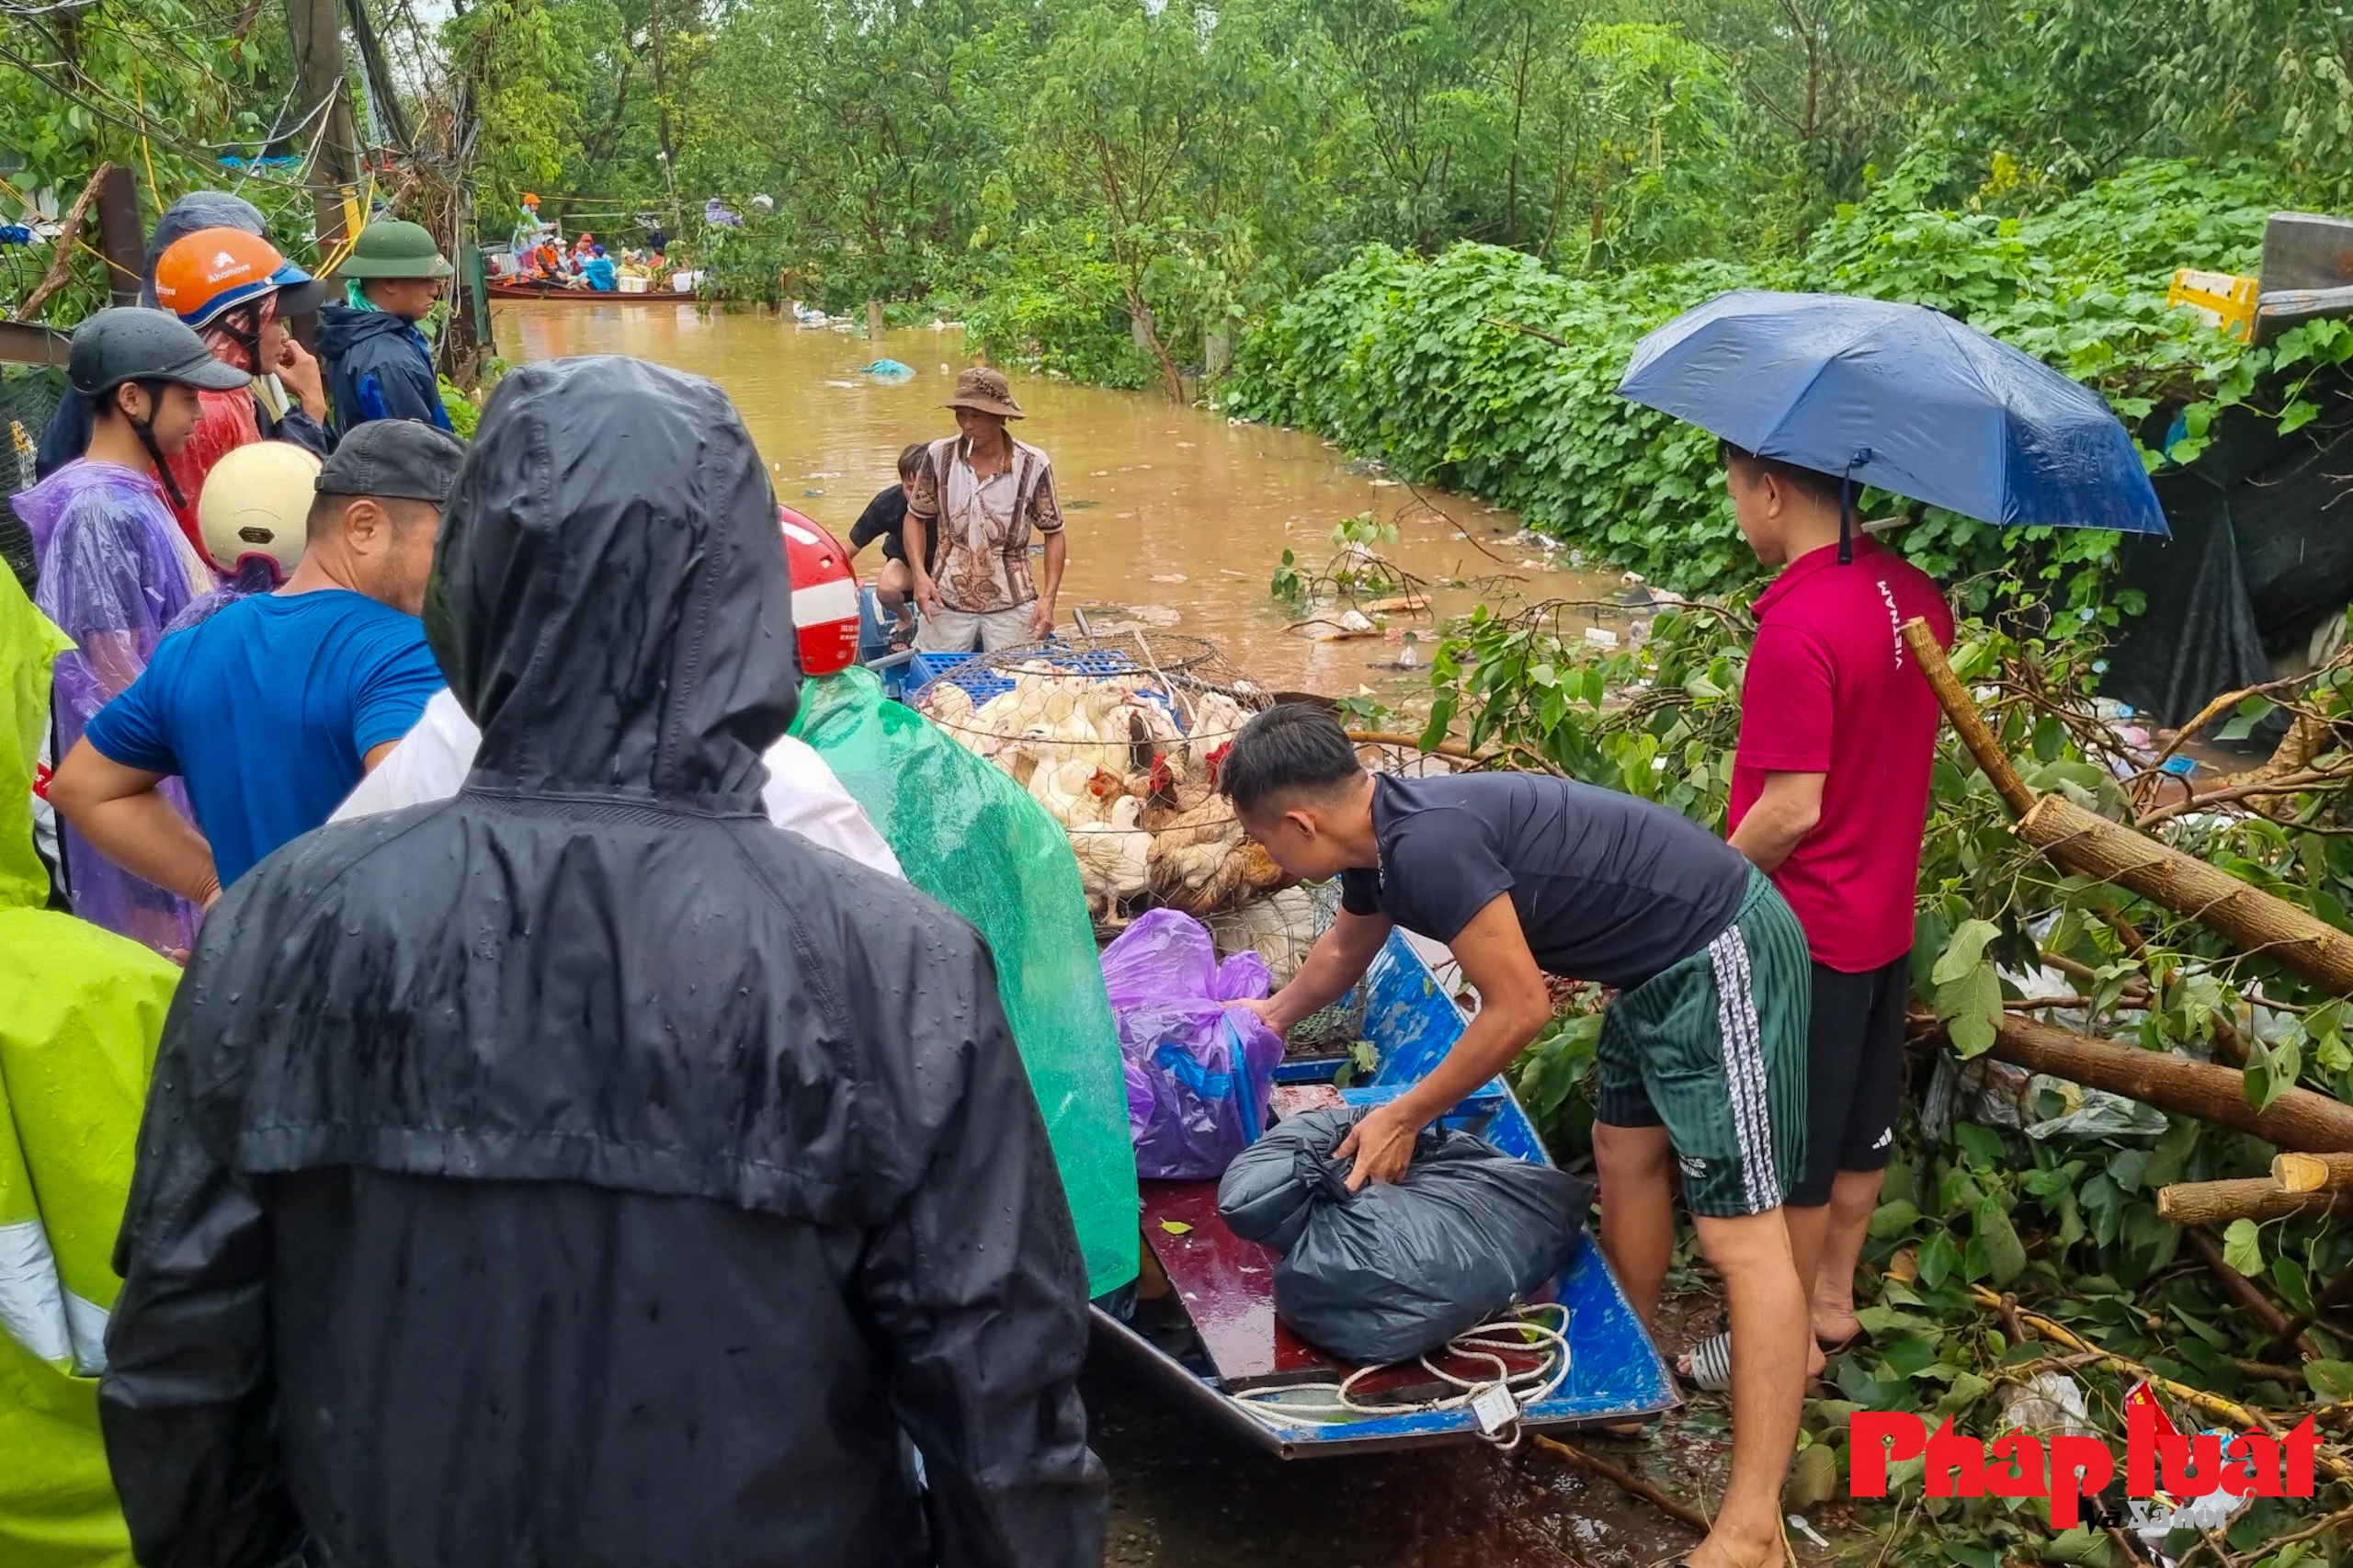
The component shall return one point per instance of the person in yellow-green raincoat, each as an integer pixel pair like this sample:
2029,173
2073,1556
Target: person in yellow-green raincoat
81,1010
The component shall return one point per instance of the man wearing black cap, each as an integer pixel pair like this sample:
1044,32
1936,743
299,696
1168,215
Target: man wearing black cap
275,707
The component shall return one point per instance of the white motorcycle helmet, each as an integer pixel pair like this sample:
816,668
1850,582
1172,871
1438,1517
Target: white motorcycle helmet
257,501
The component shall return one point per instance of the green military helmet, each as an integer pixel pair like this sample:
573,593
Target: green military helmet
393,248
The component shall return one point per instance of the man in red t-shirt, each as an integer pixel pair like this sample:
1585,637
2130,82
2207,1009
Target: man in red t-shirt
1829,798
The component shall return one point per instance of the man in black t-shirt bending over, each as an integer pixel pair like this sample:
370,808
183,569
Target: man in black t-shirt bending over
1702,1057
885,518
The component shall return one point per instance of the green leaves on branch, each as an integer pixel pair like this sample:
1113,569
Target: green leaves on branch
1969,993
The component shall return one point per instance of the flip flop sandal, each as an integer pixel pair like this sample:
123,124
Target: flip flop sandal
1710,1361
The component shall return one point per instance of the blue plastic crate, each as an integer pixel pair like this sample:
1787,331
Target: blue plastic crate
966,669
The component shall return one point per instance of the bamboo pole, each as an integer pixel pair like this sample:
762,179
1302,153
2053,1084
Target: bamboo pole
2298,1120
2302,1172
2220,1202
2212,1403
2254,920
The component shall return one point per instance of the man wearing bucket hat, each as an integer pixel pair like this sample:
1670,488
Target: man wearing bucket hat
984,493
379,364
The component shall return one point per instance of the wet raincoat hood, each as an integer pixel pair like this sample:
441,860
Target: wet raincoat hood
581,1153
609,599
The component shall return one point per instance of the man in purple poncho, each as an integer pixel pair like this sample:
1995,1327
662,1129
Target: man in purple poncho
113,567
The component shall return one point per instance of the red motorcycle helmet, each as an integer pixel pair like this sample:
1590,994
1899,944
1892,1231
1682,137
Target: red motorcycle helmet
825,595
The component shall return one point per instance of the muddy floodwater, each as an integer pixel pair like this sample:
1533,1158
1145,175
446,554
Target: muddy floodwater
1178,518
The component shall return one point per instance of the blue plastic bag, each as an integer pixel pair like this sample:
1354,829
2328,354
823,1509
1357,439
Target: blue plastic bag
1199,1069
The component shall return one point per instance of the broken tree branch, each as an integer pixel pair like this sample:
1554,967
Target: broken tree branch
2245,1292
1979,738
2331,1296
2302,1172
61,262
2215,1404
2256,921
2297,1119
1681,1512
2191,1203
1967,722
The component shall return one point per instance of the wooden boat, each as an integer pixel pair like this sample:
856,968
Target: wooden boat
498,290
1211,1340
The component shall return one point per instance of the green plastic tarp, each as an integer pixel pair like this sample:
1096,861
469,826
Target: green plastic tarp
81,1010
973,839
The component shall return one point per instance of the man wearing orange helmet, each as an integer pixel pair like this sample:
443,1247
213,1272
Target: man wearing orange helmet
236,290
69,427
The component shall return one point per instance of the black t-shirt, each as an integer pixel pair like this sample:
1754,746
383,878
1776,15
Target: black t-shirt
1608,888
885,518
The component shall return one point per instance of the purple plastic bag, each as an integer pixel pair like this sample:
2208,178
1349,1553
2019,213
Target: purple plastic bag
1198,1070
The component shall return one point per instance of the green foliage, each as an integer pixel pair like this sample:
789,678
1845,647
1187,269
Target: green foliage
1405,358
161,88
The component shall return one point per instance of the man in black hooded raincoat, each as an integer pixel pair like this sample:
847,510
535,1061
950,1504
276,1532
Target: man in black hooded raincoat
581,1171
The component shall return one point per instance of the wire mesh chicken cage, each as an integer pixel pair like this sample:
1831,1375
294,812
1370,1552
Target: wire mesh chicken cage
1121,737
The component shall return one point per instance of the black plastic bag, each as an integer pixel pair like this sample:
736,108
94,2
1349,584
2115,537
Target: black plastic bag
1397,1270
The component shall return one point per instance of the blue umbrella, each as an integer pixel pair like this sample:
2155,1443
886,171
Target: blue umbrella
1902,397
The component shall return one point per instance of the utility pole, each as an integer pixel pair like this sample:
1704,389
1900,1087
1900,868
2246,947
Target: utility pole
662,112
317,29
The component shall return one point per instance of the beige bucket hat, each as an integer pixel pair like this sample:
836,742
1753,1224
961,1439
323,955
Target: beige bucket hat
987,390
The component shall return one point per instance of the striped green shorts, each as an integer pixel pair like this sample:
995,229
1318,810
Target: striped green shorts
1713,1048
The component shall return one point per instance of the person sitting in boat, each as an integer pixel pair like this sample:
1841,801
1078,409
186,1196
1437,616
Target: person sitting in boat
885,518
752,1184
981,494
599,272
1703,1056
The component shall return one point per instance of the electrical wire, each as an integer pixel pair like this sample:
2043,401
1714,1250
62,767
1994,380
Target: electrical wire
138,124
1493,1343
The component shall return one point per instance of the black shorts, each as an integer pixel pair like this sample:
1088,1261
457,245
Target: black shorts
1855,1072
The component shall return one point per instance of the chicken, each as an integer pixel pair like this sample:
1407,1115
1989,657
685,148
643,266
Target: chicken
1207,821
950,706
1113,858
1064,786
1279,929
1186,876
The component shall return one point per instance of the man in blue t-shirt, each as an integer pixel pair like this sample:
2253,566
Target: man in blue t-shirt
273,708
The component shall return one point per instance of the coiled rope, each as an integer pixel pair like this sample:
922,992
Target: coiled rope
1323,1403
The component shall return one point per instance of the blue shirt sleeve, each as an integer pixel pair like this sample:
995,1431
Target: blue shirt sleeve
398,680
130,730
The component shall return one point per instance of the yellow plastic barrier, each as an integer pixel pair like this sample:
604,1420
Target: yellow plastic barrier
2225,299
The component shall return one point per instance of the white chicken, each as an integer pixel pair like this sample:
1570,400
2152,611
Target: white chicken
1113,858
1281,929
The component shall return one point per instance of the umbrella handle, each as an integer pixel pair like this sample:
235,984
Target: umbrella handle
1846,506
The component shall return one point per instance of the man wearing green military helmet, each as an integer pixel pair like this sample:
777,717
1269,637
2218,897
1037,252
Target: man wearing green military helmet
379,364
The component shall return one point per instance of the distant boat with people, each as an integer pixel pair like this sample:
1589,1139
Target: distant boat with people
556,293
